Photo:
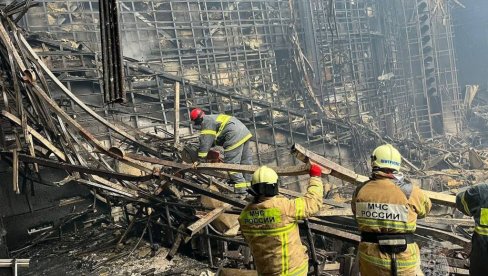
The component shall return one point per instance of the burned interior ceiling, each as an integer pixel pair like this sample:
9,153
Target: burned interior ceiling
337,76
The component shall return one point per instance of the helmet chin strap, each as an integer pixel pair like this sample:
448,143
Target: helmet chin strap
264,189
198,121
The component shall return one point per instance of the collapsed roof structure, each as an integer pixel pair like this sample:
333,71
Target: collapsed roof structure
337,76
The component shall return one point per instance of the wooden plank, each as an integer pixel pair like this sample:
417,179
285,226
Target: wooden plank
14,55
30,144
36,135
443,235
107,188
458,271
10,48
337,170
60,112
177,115
440,198
57,152
283,170
75,99
176,244
15,171
86,134
347,175
335,233
206,220
334,213
332,266
81,169
448,221
204,191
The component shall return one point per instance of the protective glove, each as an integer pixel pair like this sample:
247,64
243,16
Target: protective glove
195,165
315,170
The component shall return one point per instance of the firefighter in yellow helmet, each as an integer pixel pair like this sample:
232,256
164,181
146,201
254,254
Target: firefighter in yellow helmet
386,209
269,223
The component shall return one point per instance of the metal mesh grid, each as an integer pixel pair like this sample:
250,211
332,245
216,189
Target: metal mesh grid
447,72
229,44
433,78
373,69
238,46
363,79
242,49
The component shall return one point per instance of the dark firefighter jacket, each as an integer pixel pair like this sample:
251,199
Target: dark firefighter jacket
222,130
474,202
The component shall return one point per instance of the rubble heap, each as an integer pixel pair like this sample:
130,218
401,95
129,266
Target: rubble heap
157,195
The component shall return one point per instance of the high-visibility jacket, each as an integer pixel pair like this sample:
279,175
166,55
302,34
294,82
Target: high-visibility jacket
270,228
222,130
474,202
382,206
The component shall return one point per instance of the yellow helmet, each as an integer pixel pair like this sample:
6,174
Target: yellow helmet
264,175
386,157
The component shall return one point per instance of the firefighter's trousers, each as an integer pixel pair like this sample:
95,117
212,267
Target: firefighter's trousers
479,255
373,262
240,155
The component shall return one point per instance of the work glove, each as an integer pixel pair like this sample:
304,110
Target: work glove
214,157
195,165
315,170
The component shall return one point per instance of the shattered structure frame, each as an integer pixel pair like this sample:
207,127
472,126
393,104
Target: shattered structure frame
364,60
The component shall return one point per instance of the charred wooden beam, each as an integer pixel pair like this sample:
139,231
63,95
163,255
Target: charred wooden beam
36,135
206,220
345,174
77,168
176,244
337,170
335,233
334,213
204,191
177,115
205,167
98,172
43,67
448,221
443,235
15,171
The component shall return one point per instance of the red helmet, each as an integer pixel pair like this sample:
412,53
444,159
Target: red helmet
196,113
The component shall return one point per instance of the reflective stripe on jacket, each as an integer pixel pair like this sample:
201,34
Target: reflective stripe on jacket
222,130
474,203
271,230
373,262
381,206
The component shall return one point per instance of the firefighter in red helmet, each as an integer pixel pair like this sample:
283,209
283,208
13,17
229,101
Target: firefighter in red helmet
230,133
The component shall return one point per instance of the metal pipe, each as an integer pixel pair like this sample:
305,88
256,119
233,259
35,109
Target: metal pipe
209,247
12,262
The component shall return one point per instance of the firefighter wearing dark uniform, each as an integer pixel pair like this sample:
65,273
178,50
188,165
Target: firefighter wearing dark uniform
474,202
230,133
386,210
269,224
